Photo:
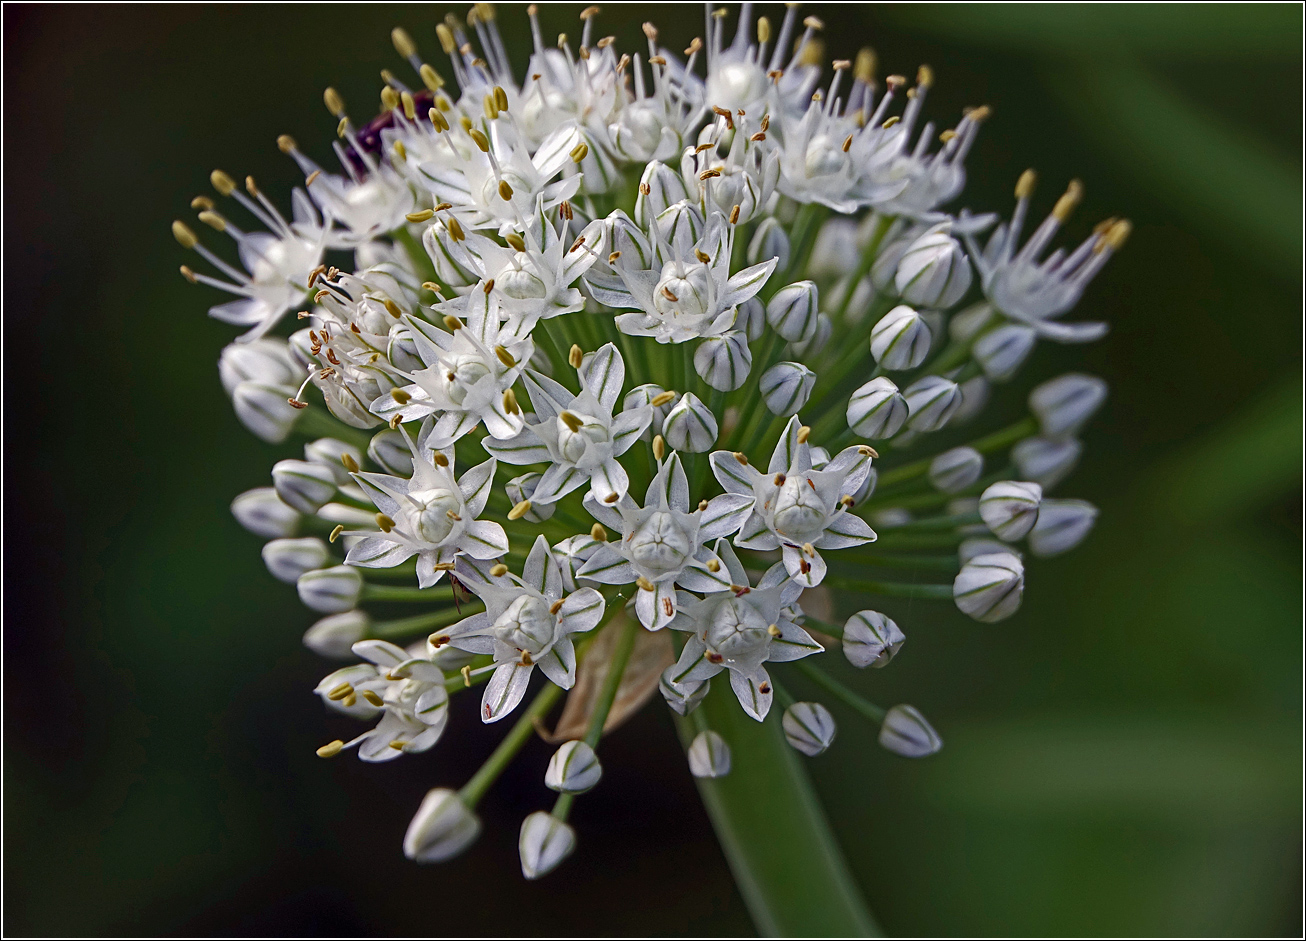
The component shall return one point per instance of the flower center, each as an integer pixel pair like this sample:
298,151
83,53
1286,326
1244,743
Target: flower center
434,522
661,545
736,630
799,512
589,445
461,373
519,282
683,290
527,625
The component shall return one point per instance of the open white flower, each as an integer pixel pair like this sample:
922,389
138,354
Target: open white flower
576,433
431,516
406,691
662,544
739,630
795,508
527,622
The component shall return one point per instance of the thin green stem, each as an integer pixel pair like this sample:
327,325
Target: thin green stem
822,679
406,627
315,422
403,593
994,442
475,789
891,589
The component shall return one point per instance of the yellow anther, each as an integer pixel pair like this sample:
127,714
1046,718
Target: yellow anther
847,143
183,234
598,533
467,675
439,460
763,29
420,216
335,104
392,308
571,420
499,570
385,522
1067,203
650,31
490,107
453,516
410,106
946,136
452,323
846,501
575,356
222,183
348,461
925,76
713,565
734,215
213,220
662,398
741,457
773,630
980,114
644,583
401,151
1117,235
331,749
201,202
500,98
809,549
188,274
804,433
431,286
438,119
659,447
505,192
395,421
335,533
841,65
389,99
438,640
481,140
404,44
430,78
286,144
864,66
708,175
580,152
867,451
342,127
520,510
891,122
813,52
445,35
398,744
555,607
586,13
504,356
340,692
400,396
308,181
455,229
613,256
1025,185
373,698
516,241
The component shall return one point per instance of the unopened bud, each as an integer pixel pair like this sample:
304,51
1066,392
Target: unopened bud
792,310
989,587
545,841
877,410
389,450
786,387
934,271
1065,404
1062,525
690,426
264,514
906,732
956,469
901,340
870,639
1002,351
265,409
335,635
709,756
769,241
443,826
931,403
334,455
304,485
330,590
1046,461
808,727
573,769
1010,508
521,489
287,559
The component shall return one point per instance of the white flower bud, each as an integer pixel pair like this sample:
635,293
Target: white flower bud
901,340
264,513
390,451
967,324
1010,508
786,387
934,270
328,452
574,768
690,426
871,639
666,188
836,250
303,485
680,224
335,635
1063,405
770,241
890,254
988,587
751,318
905,732
1002,351
545,842
683,698
931,403
523,488
709,756
1045,461
1062,525
265,409
287,559
877,410
267,361
970,548
792,310
813,345
724,362
955,470
441,829
330,590
808,727
974,396
643,395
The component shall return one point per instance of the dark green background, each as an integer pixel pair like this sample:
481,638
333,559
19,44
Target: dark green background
1123,756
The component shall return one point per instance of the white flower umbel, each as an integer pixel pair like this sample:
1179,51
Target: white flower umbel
662,544
527,622
795,508
432,516
577,433
739,630
407,692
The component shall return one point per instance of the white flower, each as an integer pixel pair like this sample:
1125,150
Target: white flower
690,425
432,516
369,199
466,376
795,508
407,692
573,769
545,841
527,622
739,630
739,181
662,544
577,434
933,271
1037,291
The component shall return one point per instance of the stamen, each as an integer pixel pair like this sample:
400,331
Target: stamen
420,216
571,421
334,103
520,510
659,447
575,356
510,402
331,749
335,533
644,584
385,522
555,607
662,398
804,433
348,461
598,533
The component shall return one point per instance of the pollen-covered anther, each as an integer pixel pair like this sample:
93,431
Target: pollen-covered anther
510,402
467,675
373,698
713,566
846,501
575,356
659,447
804,433
489,286
734,215
598,533
185,237
479,139
714,657
438,640
420,216
439,460
385,522
666,292
580,240
400,396
348,461
396,421
580,152
773,630
331,749
452,323
1069,200
335,533
334,103
499,570
340,692
520,510
644,584
286,144
662,398
571,420
613,257
188,274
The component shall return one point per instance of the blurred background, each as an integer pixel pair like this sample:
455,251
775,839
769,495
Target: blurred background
1123,756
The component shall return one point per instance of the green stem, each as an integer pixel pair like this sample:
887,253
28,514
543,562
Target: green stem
403,593
892,589
841,692
994,442
512,743
785,859
936,563
404,627
314,422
